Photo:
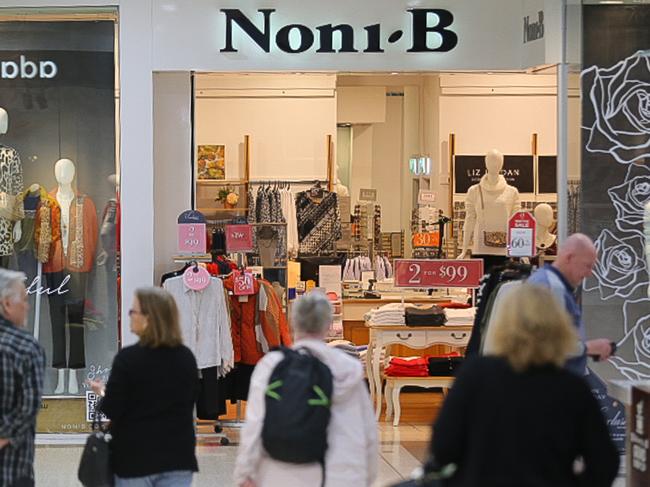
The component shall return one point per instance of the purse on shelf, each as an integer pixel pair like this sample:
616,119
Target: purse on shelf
95,465
492,239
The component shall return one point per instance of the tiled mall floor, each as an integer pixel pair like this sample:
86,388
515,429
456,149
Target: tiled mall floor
56,465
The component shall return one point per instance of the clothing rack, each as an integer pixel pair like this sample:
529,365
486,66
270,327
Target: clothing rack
271,182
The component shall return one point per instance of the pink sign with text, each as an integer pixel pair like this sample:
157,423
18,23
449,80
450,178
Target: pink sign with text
191,238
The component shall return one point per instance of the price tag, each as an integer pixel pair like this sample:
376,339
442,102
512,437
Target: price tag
191,238
521,235
428,273
428,239
243,283
196,278
426,197
239,238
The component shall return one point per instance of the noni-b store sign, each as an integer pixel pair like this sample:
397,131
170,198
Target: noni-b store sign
360,35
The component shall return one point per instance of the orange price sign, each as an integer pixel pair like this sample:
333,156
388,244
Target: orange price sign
427,239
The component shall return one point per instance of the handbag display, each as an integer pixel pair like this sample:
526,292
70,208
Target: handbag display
492,239
95,465
11,209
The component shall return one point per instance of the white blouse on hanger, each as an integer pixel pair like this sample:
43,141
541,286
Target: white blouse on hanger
205,323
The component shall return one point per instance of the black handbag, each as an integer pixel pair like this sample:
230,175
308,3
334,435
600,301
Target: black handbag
95,466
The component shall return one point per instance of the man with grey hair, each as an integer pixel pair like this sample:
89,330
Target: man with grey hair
353,454
22,364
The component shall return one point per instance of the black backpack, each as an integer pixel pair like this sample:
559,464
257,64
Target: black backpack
298,400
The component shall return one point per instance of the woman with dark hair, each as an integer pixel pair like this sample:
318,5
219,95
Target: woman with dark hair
150,398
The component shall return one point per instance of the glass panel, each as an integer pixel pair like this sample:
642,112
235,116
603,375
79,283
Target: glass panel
59,174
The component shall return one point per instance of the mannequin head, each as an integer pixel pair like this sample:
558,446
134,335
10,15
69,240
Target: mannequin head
4,121
64,171
494,162
544,215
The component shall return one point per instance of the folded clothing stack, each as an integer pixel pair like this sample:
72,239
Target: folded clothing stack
425,315
346,346
458,317
444,365
389,314
408,367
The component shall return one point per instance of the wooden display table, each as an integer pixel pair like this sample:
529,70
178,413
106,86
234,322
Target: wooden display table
417,337
394,387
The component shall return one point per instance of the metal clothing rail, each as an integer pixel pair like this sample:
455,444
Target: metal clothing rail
271,182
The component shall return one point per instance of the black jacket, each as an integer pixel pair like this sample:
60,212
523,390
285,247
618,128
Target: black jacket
508,429
150,398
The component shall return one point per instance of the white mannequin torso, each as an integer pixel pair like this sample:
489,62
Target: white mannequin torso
64,172
544,239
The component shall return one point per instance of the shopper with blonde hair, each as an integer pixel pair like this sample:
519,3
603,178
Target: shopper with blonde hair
150,398
519,417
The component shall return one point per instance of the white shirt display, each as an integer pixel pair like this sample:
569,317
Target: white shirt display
500,201
205,323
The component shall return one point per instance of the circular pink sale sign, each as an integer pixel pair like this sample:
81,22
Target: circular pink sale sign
196,278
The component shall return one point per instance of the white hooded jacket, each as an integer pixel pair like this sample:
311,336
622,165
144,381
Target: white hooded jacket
352,453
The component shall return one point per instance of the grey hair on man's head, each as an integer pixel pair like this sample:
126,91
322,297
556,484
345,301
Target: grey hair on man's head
9,281
311,314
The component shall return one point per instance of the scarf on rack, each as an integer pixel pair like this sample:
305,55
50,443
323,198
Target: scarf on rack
47,223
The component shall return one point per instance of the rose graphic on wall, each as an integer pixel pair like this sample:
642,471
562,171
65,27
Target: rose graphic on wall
633,356
618,117
631,197
621,266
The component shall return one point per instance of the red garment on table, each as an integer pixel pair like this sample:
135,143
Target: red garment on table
412,367
452,305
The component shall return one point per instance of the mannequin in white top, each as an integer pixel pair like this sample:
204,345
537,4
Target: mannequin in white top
488,206
64,172
646,232
544,239
4,127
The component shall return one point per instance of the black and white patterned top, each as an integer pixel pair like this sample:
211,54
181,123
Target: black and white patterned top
319,223
11,182
22,365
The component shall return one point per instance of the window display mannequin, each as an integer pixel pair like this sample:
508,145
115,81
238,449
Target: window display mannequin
488,206
71,259
11,183
646,232
545,241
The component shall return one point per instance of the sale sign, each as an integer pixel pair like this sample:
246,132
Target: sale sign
191,233
432,273
191,238
243,285
239,238
196,278
521,235
426,239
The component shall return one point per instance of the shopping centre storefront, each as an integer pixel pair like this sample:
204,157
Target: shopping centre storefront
294,92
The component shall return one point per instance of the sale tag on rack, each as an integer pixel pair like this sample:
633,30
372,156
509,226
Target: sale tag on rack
435,273
243,285
196,278
521,235
426,239
239,238
191,233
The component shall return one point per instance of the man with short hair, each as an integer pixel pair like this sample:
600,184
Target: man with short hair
22,365
574,262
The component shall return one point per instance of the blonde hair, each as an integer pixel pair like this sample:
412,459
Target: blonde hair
163,328
532,328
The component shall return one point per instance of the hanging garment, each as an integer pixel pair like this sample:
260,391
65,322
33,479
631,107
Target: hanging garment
289,212
83,233
319,223
205,323
11,184
41,225
249,323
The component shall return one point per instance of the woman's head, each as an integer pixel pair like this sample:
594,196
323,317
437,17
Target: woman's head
532,328
311,315
154,318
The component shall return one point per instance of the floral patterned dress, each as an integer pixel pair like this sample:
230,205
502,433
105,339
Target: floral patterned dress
11,183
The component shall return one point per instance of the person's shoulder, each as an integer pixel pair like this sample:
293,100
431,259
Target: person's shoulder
540,276
483,365
22,340
184,353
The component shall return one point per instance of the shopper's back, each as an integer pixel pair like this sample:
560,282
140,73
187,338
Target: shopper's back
520,419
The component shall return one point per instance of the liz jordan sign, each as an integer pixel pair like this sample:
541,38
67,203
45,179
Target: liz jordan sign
430,31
